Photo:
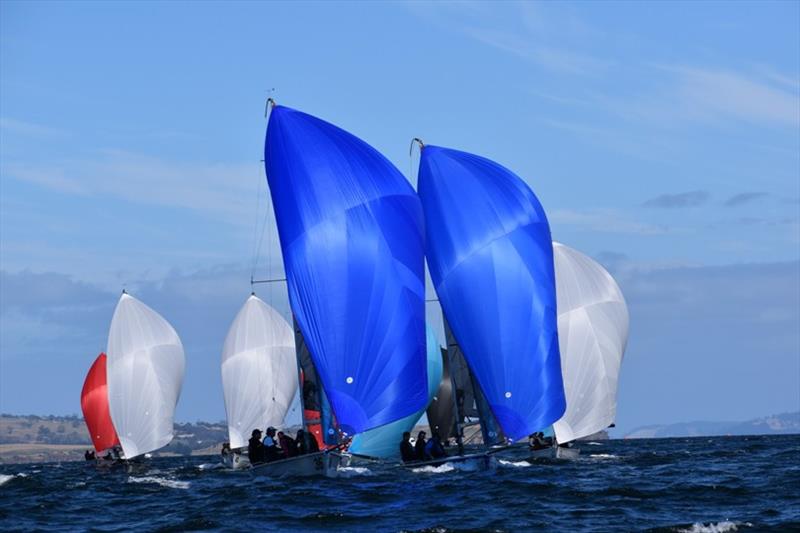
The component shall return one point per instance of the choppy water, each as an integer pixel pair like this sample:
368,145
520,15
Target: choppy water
700,484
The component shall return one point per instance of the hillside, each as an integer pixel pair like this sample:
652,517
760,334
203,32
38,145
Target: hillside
64,438
769,425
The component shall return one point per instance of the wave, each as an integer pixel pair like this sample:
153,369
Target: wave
441,469
514,464
603,456
719,527
353,471
211,466
169,483
5,478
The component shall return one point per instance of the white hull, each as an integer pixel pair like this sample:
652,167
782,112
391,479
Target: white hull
314,464
555,452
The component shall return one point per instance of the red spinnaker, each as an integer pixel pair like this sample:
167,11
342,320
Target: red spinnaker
94,403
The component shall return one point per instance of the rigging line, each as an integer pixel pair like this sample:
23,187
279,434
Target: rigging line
260,242
254,256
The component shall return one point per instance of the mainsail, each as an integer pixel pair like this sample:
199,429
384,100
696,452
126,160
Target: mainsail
384,441
592,334
491,260
259,370
350,228
145,374
94,404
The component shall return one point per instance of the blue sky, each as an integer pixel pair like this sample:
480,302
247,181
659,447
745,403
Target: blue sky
663,139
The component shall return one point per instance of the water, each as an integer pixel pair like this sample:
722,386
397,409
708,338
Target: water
700,484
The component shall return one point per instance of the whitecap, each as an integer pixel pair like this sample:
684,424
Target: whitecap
5,478
169,483
211,466
603,456
352,471
594,443
441,469
514,464
719,527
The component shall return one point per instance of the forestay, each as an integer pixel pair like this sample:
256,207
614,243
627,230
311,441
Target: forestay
592,333
145,374
384,441
259,370
350,228
491,260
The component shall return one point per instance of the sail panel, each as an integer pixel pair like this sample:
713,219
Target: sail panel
593,333
94,404
350,228
491,260
145,373
384,441
259,370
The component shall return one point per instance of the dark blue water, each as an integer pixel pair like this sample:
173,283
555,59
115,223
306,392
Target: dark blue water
699,484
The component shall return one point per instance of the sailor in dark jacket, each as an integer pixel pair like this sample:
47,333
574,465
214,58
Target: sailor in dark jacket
419,446
255,449
406,449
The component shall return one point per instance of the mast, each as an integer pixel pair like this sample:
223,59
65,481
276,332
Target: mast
469,391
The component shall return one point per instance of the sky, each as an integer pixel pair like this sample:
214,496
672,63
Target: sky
662,139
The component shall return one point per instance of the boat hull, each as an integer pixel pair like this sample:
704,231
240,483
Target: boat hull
554,452
324,464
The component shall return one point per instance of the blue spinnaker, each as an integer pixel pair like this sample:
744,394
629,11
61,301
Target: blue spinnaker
384,441
351,233
490,256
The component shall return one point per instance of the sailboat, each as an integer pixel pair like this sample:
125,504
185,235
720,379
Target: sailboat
384,442
593,333
351,235
94,404
144,372
259,373
490,257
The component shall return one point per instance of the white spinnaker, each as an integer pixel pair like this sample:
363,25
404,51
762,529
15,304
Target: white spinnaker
592,335
259,370
145,373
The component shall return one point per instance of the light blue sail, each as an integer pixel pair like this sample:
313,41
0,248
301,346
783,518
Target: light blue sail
384,441
490,256
351,232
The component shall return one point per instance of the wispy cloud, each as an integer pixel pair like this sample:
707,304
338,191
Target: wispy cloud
550,57
709,94
679,200
28,129
226,190
743,198
603,221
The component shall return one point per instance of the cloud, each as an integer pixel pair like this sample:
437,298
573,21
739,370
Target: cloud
604,221
709,94
683,199
29,129
743,198
221,190
710,342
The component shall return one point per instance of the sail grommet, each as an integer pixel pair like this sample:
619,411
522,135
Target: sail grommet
508,394
349,380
